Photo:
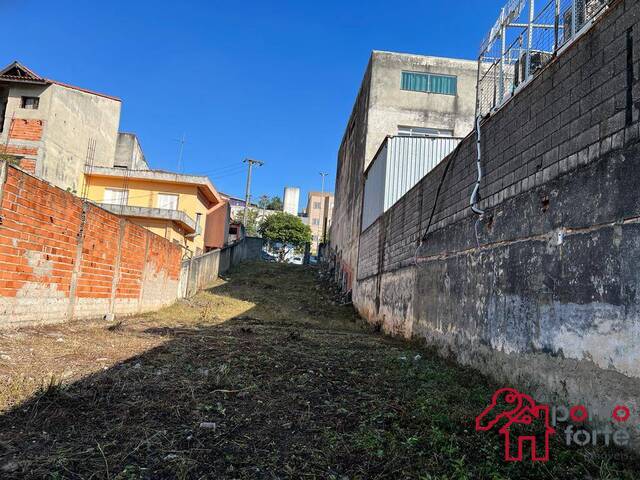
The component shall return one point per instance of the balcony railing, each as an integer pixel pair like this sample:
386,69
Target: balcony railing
177,216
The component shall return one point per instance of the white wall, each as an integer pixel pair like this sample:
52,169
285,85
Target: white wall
291,200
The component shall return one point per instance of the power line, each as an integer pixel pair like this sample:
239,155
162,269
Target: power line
220,169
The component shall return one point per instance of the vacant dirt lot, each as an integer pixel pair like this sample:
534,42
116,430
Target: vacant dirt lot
262,376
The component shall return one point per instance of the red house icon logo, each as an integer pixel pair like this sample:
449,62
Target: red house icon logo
524,424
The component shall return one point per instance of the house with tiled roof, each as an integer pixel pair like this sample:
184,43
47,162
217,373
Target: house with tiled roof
52,129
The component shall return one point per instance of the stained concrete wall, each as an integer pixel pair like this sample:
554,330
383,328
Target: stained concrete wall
198,272
380,108
129,152
74,119
69,120
542,291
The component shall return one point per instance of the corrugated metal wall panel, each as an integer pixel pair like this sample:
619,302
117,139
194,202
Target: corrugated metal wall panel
399,166
374,187
409,160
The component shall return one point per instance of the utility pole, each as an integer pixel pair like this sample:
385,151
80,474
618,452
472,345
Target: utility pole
247,199
322,174
182,141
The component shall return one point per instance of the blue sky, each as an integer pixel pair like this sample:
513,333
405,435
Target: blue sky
272,80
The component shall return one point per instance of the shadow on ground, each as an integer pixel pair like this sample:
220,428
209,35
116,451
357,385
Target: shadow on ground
294,387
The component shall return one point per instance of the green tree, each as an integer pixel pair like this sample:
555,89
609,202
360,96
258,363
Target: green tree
263,202
274,204
253,224
285,230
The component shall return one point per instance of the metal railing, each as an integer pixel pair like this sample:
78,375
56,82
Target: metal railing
523,40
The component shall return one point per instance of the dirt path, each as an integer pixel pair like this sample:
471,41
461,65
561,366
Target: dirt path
259,377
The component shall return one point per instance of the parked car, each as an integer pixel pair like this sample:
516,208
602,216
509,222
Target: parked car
268,257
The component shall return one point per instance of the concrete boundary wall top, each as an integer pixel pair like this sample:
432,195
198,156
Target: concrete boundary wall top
541,292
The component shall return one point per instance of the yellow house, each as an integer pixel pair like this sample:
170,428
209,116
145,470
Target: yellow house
174,206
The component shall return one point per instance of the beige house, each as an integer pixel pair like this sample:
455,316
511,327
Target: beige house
319,213
54,129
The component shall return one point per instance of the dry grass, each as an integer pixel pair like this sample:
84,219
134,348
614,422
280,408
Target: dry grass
262,376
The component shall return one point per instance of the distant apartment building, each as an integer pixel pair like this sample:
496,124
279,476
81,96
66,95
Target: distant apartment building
319,214
291,202
52,129
400,95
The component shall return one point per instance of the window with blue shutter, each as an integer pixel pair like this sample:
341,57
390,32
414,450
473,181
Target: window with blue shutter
429,83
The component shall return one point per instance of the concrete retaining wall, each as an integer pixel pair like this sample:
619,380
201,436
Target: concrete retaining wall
542,292
198,272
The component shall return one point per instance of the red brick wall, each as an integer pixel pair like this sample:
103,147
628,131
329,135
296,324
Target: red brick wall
99,254
43,238
23,129
28,165
134,244
11,150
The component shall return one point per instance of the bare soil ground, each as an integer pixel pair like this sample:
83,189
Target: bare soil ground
261,376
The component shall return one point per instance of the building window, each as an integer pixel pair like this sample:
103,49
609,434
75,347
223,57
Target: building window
405,131
30,103
317,205
429,83
315,221
115,196
167,201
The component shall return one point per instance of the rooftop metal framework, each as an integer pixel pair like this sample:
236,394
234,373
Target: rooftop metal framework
523,40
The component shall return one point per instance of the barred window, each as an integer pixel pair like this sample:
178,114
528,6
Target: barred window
429,83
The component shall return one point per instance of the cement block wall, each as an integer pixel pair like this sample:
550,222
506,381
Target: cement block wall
198,272
542,292
62,258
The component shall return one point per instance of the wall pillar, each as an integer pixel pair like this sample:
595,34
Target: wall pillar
116,271
144,269
77,261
